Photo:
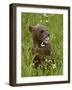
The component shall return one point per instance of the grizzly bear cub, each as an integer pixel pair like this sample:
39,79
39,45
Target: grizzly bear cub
41,46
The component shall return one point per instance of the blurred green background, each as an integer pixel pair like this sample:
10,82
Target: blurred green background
54,23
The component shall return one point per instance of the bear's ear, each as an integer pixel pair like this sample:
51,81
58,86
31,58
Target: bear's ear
30,28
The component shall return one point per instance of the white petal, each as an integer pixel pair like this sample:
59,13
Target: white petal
44,14
54,66
42,45
46,20
40,20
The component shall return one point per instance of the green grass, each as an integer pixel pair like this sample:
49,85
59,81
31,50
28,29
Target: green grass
54,23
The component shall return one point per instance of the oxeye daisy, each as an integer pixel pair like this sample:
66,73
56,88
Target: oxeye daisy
44,14
46,21
54,66
40,20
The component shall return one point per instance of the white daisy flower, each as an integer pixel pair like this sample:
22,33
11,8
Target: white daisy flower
54,66
46,21
46,60
40,20
32,64
38,24
42,45
50,61
44,14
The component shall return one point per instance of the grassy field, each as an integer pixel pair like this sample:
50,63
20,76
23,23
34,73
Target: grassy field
54,22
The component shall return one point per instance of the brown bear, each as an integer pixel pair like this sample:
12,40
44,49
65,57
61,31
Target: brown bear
41,46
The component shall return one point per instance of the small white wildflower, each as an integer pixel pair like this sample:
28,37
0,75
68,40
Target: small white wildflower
32,64
46,60
38,24
42,45
54,66
46,21
50,61
40,20
51,52
44,14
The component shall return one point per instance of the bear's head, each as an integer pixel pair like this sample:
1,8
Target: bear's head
40,34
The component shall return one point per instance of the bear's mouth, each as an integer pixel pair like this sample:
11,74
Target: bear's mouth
44,42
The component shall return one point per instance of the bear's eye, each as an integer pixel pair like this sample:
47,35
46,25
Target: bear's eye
41,31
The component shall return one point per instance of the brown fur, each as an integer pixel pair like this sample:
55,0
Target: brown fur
41,47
